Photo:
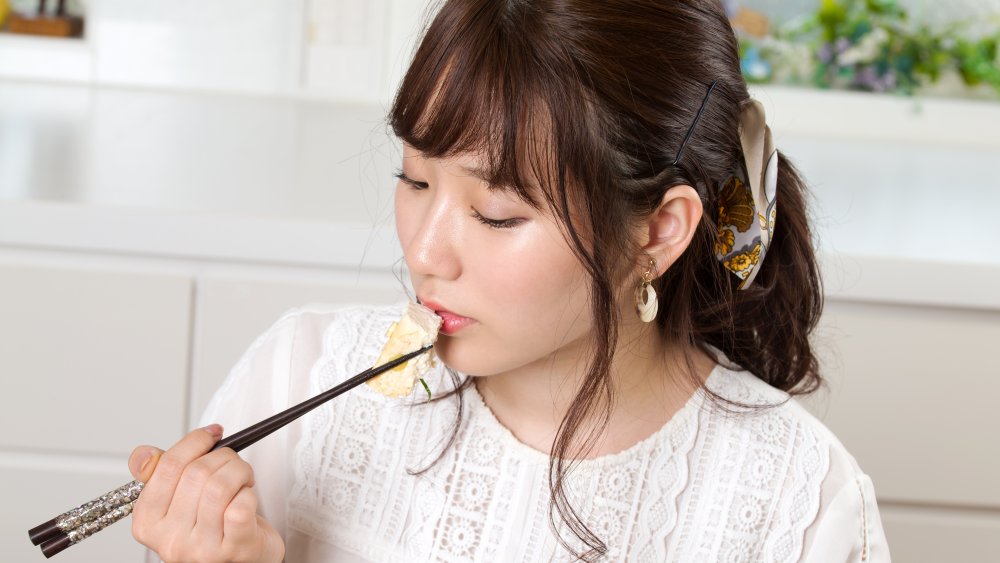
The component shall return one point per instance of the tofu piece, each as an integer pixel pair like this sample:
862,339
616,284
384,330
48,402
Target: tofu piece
417,328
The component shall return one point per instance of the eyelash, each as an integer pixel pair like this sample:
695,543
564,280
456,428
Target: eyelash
497,223
412,183
492,223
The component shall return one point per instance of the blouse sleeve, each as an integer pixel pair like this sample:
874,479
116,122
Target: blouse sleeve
848,527
256,388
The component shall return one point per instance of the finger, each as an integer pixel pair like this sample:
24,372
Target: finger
156,496
218,494
197,476
240,520
142,462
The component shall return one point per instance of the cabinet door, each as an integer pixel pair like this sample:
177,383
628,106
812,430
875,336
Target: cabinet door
913,396
233,311
92,363
932,535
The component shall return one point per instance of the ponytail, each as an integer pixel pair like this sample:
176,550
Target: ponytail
765,327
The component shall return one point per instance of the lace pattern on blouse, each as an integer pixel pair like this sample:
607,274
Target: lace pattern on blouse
707,486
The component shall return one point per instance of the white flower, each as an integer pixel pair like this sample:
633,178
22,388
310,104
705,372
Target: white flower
866,49
792,61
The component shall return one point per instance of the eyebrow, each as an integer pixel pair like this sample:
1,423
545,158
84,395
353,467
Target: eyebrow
483,176
477,172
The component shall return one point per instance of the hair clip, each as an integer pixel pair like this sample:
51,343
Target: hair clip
747,212
697,117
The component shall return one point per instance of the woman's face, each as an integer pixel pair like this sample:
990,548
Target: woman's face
500,273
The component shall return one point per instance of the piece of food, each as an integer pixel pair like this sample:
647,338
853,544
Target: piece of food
417,328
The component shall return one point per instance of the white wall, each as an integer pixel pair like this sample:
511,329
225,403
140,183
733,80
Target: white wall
332,49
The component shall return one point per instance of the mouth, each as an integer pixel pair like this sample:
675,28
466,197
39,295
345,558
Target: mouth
451,322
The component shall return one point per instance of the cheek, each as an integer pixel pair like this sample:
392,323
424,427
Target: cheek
547,287
534,300
405,216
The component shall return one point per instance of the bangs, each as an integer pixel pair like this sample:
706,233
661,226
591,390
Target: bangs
475,87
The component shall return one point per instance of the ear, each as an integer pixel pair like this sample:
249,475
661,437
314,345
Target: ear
670,228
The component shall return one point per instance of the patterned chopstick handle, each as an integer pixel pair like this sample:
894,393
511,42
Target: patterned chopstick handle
96,511
78,524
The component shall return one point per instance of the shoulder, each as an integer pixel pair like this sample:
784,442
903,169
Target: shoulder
816,492
314,328
348,337
282,357
762,414
768,419
318,319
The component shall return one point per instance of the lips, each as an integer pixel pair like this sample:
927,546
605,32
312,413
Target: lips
450,322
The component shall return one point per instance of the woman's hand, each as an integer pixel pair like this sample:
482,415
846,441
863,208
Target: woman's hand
199,507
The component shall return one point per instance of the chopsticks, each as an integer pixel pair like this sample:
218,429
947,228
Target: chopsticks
78,524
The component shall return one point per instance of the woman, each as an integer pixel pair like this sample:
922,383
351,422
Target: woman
592,203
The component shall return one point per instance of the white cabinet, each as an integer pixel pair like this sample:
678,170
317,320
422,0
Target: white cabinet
92,361
933,535
912,394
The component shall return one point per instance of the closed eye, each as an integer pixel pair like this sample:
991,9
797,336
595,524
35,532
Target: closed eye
498,223
410,181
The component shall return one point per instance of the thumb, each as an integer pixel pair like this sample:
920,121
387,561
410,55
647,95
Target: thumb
143,461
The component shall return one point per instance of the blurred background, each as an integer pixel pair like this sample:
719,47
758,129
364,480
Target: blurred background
175,175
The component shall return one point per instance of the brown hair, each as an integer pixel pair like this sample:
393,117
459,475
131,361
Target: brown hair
595,98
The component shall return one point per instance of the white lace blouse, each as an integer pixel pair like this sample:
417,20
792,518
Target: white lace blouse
708,486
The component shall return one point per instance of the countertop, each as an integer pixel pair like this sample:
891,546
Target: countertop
900,214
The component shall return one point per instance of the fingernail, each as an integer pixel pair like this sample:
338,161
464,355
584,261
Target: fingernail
144,461
215,430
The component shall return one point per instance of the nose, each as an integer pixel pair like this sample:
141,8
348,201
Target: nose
432,249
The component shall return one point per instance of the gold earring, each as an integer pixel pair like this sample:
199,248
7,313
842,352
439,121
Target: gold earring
646,303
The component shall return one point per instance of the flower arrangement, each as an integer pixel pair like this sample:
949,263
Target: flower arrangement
869,45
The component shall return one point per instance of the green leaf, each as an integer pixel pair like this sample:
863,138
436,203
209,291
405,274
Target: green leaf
426,387
886,7
831,15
